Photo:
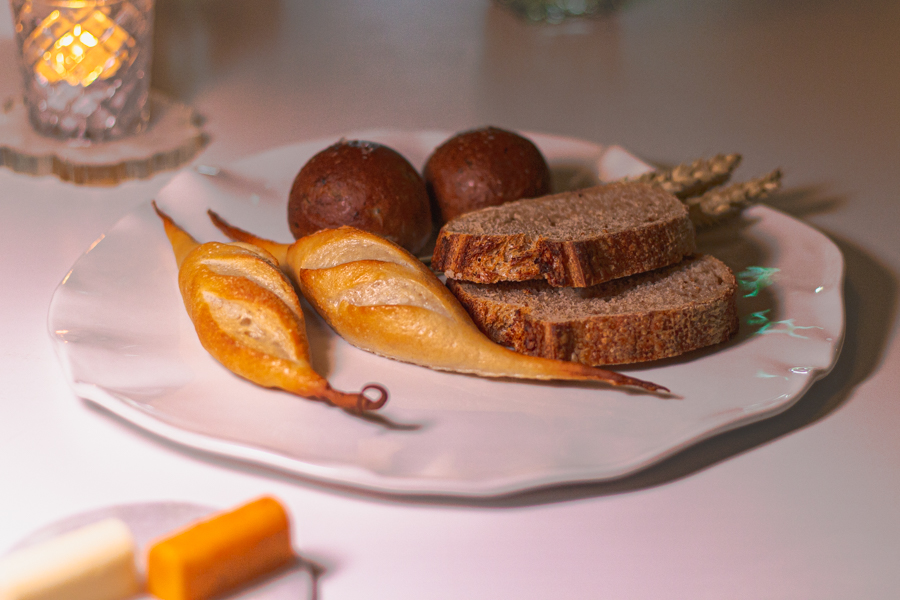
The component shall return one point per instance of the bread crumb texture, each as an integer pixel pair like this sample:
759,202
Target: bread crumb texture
643,317
573,216
572,239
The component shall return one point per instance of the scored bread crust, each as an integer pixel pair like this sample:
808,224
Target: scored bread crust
680,318
616,241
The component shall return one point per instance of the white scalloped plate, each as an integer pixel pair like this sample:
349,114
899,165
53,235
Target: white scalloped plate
126,344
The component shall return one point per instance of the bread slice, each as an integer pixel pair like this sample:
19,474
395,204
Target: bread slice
578,238
643,317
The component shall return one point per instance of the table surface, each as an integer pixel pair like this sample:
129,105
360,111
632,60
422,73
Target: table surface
802,505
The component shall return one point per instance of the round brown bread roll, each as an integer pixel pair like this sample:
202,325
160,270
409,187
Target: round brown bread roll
484,167
363,184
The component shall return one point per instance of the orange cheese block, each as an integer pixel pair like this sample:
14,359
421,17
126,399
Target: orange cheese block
222,553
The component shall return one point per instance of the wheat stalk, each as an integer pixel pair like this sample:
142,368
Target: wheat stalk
692,179
719,203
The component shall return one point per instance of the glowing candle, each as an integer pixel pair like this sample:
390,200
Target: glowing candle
86,65
81,51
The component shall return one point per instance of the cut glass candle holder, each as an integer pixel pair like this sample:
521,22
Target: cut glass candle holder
86,66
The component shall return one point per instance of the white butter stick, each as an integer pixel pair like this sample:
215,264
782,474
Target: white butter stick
95,562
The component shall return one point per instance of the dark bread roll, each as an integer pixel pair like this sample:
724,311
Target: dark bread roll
363,184
484,167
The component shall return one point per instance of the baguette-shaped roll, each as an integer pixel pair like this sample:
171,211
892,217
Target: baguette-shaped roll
248,317
380,298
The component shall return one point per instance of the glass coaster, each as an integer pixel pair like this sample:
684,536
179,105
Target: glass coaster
172,139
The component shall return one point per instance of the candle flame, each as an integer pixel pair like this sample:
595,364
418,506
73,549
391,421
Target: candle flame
78,47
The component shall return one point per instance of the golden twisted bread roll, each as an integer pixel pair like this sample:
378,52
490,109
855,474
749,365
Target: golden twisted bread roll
248,317
380,298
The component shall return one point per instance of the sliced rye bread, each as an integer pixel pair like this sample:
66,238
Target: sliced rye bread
643,317
572,239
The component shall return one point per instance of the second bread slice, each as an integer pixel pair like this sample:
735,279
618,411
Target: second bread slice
572,239
644,317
